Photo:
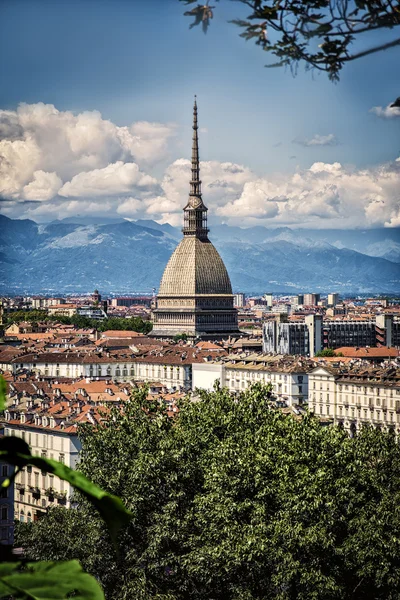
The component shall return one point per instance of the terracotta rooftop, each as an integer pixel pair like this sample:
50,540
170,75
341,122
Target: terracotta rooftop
368,353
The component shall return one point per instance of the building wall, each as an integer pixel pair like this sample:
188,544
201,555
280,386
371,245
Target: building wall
292,387
6,507
205,375
32,487
313,335
170,375
353,404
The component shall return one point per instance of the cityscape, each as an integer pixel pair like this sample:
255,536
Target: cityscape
199,359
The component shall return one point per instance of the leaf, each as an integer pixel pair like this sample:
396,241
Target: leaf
48,580
3,392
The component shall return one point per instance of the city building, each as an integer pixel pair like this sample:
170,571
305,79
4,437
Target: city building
311,299
195,295
128,301
288,376
284,337
268,299
239,300
314,334
92,312
169,365
356,396
333,299
6,507
64,310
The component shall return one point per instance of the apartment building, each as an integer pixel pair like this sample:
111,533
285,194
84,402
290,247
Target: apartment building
356,396
6,506
171,366
313,334
46,417
289,377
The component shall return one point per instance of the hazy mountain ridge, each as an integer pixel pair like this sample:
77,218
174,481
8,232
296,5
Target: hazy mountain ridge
124,255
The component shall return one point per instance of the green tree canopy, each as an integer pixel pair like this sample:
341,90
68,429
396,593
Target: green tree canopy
118,323
233,499
320,34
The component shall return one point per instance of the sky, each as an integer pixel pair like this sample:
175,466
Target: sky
95,120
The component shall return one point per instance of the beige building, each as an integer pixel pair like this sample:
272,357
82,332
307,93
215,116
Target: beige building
359,395
171,366
288,375
64,310
195,295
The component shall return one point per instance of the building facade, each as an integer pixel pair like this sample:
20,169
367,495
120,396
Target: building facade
314,334
195,295
289,378
361,395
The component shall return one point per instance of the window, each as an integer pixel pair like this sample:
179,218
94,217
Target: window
62,459
4,471
3,492
4,513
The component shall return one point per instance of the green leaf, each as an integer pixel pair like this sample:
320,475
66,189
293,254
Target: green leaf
3,392
48,580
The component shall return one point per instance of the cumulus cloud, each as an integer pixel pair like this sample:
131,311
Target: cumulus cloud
43,186
55,164
347,197
115,179
391,111
39,138
317,140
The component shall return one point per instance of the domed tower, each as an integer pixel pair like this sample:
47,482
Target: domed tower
195,294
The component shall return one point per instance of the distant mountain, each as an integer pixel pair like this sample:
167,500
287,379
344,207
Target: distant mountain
123,256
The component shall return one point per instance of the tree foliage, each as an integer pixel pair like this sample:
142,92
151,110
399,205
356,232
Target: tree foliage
326,352
118,323
233,499
317,33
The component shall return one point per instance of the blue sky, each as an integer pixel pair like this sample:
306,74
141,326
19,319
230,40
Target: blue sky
137,60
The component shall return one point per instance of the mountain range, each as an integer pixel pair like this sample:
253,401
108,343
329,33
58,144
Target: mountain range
117,255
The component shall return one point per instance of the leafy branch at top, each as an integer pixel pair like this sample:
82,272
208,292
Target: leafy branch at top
318,33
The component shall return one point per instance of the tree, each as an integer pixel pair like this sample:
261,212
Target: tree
317,33
119,323
233,499
180,337
326,352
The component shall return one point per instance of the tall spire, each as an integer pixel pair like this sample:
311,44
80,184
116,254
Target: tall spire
195,211
195,183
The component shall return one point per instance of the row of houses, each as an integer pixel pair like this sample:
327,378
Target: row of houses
46,414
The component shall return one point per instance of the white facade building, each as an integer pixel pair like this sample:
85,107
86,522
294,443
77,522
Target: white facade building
173,371
363,395
35,490
289,379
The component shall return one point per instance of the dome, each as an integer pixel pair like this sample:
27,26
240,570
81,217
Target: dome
195,268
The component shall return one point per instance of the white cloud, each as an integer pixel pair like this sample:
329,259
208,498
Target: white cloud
317,140
387,112
343,196
38,137
115,179
84,164
43,186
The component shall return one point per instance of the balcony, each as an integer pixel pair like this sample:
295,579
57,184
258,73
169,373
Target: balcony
36,493
20,487
51,494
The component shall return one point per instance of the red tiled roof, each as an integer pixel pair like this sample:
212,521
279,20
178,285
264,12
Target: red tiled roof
382,352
